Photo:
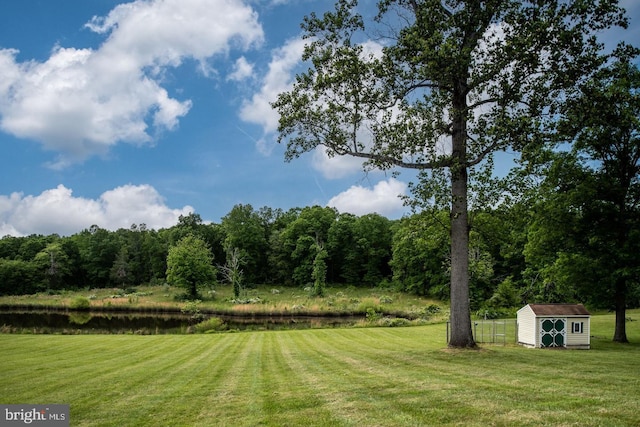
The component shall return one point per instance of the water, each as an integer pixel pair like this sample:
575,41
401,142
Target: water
61,322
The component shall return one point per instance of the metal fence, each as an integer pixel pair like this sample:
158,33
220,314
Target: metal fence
495,331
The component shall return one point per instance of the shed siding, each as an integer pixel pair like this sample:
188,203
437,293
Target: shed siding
578,339
527,326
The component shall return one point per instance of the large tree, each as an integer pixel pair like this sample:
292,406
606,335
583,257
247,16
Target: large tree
190,265
586,239
604,124
444,85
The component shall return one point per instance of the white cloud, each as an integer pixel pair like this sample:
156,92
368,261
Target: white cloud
372,49
335,167
383,199
79,102
58,211
278,79
242,70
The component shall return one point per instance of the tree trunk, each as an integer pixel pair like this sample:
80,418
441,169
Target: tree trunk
620,333
461,333
193,290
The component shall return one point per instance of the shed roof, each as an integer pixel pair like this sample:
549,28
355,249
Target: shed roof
559,309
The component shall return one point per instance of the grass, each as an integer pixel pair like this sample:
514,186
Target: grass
263,300
324,377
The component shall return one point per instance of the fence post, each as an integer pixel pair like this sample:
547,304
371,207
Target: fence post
447,332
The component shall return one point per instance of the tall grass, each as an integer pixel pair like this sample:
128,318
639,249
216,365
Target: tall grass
261,300
328,377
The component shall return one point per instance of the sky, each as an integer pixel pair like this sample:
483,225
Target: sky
117,113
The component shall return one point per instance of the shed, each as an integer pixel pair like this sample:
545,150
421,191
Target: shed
554,325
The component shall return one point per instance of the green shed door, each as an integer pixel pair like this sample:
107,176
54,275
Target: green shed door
552,332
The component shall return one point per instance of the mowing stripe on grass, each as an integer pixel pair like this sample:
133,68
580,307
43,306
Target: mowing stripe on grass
340,377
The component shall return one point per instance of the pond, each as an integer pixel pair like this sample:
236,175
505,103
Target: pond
89,322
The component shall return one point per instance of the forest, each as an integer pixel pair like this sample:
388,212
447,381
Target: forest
516,255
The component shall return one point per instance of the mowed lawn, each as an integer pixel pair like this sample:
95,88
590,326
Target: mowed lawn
325,377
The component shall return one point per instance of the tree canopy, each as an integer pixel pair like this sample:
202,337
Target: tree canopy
590,212
190,265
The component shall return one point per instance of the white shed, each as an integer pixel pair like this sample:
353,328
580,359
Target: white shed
554,325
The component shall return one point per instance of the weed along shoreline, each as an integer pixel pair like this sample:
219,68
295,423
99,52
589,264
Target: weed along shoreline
109,321
160,309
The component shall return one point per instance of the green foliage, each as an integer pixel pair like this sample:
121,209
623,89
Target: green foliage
433,309
192,308
369,306
392,322
80,303
319,273
506,295
246,231
18,277
386,299
372,315
490,313
302,236
360,249
213,324
98,250
189,265
251,300
121,270
589,250
419,248
232,272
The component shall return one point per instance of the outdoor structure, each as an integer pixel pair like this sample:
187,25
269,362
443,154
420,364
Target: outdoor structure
554,325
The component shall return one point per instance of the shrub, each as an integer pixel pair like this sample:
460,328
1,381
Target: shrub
368,304
394,321
433,309
80,303
385,299
212,324
373,315
193,308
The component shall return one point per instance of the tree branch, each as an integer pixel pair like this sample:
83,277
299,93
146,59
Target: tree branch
444,162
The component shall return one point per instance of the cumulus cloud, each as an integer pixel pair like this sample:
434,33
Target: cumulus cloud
58,211
242,70
335,167
278,79
383,198
79,102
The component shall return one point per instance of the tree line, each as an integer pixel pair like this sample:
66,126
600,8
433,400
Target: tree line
515,258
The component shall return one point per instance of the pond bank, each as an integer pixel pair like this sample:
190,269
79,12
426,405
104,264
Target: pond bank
243,311
261,305
60,321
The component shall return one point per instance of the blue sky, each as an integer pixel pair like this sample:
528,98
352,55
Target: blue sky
115,113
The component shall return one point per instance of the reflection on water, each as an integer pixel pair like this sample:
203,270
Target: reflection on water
59,322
